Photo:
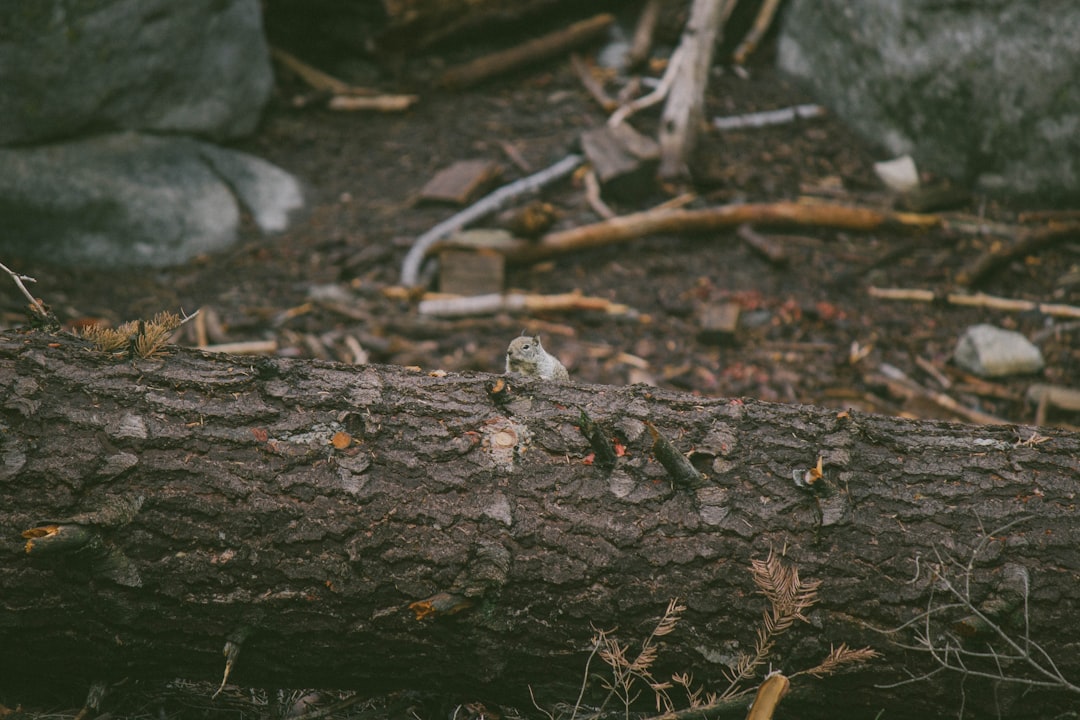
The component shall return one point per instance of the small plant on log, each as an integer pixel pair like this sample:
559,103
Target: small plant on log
136,338
629,677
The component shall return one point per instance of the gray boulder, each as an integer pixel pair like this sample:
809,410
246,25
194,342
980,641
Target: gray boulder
130,199
983,92
70,68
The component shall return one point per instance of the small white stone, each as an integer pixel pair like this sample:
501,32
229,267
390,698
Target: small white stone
990,351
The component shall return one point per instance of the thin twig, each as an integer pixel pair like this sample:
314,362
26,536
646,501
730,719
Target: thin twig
593,197
762,23
35,304
766,118
494,202
655,97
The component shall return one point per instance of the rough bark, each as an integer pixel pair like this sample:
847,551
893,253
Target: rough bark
376,527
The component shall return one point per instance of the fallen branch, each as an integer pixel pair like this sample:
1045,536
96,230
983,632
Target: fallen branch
976,300
641,45
592,196
591,84
249,347
651,222
546,46
410,269
656,96
378,103
762,23
343,95
518,303
768,117
1028,242
316,78
902,385
685,107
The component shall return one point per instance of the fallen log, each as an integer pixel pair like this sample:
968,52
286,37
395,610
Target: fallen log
379,528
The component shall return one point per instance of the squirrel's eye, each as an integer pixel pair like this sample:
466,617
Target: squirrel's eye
526,346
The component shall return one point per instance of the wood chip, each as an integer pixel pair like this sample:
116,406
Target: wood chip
465,272
625,161
717,322
461,182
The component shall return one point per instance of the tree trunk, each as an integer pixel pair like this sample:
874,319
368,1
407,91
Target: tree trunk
378,527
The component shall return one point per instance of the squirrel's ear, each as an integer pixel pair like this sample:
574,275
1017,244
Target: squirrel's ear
537,339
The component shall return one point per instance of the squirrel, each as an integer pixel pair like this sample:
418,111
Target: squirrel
527,356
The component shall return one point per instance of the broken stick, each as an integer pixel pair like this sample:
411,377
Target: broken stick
685,108
976,300
476,71
641,46
518,302
410,268
651,222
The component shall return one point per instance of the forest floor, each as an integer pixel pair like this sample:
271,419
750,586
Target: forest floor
809,330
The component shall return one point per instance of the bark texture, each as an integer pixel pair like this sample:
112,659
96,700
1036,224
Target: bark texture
376,527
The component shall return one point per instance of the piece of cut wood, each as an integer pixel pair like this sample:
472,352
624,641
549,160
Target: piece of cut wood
461,182
624,160
717,323
471,272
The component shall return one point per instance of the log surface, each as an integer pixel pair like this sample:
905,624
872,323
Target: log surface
376,527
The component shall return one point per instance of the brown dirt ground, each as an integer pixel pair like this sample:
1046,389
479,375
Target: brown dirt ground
800,321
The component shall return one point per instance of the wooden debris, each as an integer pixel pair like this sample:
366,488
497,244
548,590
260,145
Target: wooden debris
935,197
530,220
1027,243
652,222
593,196
1049,216
718,322
546,46
591,84
624,160
378,103
465,272
252,347
519,303
761,25
767,247
1045,397
410,268
461,182
976,300
765,118
641,45
656,96
316,78
341,95
685,108
902,385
